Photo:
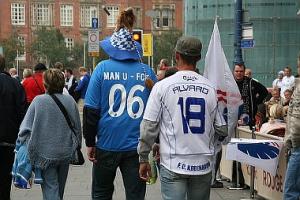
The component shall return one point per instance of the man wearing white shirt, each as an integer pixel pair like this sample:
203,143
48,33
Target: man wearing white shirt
182,110
288,81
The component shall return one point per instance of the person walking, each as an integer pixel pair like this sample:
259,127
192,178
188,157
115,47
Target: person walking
182,110
51,142
114,106
83,82
12,111
14,73
70,82
81,88
34,85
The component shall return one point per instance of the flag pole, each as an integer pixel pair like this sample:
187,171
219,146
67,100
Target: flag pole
237,186
252,169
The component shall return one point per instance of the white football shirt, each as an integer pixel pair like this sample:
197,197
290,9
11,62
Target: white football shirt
185,105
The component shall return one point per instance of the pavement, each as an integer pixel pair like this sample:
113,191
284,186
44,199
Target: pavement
78,187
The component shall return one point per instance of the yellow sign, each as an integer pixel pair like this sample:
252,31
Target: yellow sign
147,44
94,54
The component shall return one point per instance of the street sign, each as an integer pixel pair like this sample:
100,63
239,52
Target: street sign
147,44
247,43
94,23
93,43
247,32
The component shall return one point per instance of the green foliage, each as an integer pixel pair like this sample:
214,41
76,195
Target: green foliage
11,46
164,45
49,46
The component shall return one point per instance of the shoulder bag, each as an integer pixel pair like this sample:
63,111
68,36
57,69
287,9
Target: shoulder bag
79,160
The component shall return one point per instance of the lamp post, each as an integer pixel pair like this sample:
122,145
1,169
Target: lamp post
238,56
152,15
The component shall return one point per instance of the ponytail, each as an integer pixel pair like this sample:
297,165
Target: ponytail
126,19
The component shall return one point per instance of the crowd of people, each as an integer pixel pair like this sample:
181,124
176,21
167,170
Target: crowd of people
127,112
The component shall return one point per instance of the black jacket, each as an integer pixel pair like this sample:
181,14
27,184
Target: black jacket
258,93
71,90
12,108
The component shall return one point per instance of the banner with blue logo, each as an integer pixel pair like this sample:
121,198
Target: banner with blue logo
263,154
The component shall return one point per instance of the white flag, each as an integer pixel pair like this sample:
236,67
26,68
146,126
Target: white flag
218,72
263,154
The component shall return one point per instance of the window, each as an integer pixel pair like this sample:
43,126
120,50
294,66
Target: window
157,19
21,54
164,16
42,14
66,15
69,43
112,18
18,14
138,14
87,13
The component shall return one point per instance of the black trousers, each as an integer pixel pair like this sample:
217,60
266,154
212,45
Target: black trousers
218,161
234,176
6,161
104,172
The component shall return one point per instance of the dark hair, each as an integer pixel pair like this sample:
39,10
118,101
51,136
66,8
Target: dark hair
54,81
69,70
240,65
170,71
40,67
190,60
126,19
2,63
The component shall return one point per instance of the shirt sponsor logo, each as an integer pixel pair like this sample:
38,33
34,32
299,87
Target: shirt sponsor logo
187,167
190,78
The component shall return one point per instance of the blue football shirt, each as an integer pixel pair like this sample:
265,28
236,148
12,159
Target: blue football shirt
117,89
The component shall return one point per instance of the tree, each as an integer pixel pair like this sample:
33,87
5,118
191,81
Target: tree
49,46
11,46
164,45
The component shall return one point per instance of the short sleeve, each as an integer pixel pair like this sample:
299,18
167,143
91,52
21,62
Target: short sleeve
93,93
154,106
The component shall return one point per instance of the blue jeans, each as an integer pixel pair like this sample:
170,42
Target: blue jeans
292,177
179,187
54,181
104,172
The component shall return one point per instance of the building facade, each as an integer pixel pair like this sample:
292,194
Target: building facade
276,31
74,17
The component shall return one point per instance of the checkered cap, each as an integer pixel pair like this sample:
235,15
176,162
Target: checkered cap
122,40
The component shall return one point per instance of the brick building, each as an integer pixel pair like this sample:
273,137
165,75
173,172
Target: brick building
73,18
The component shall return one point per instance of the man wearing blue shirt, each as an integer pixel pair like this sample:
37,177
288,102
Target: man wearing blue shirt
83,83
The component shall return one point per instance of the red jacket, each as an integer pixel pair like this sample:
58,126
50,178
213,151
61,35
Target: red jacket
34,86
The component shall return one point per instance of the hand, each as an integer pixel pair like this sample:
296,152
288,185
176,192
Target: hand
145,171
91,154
156,154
